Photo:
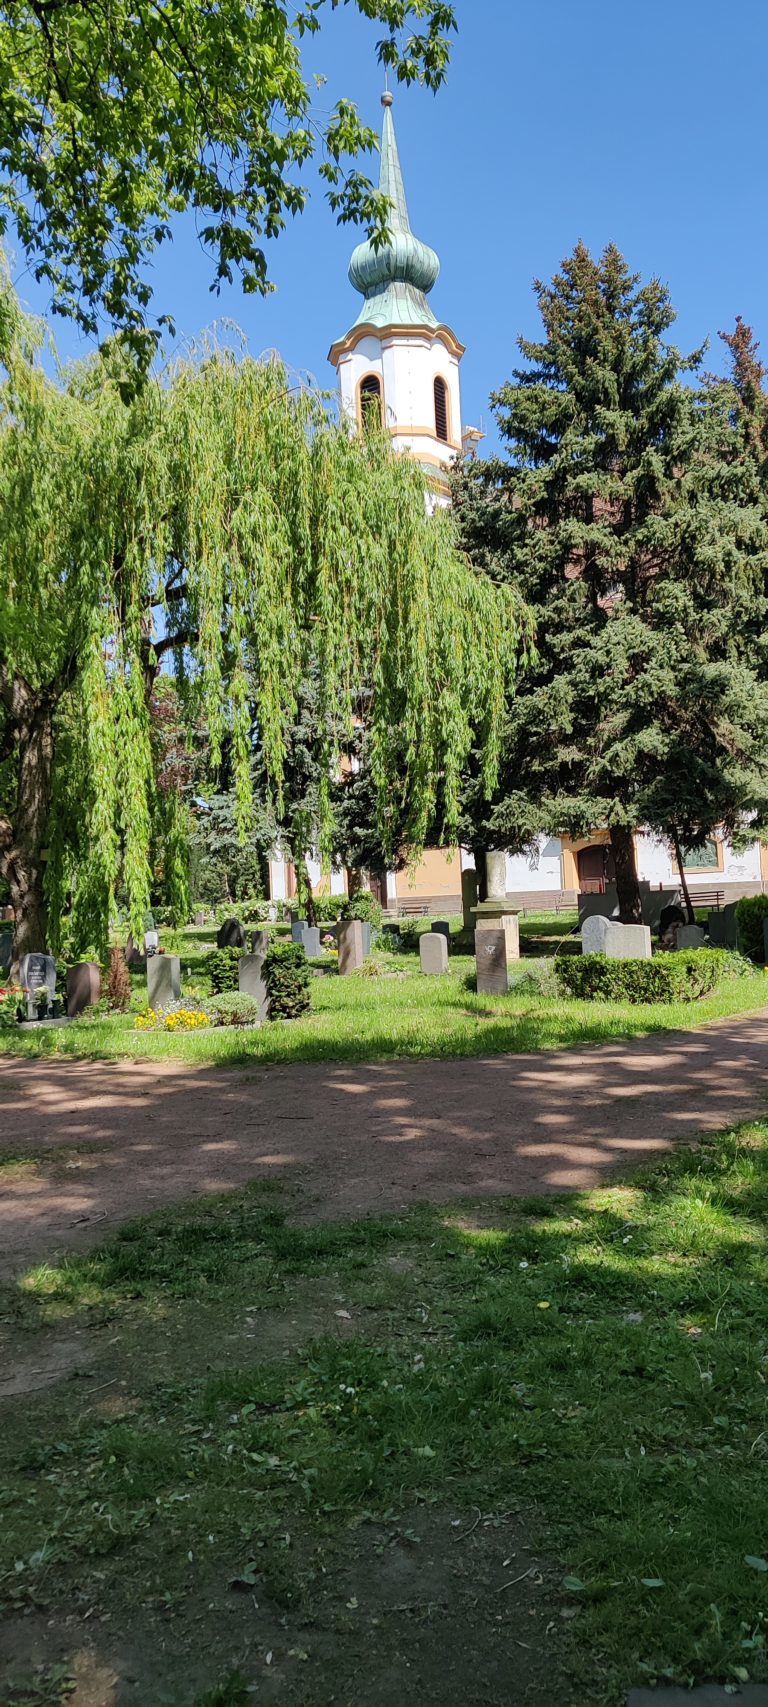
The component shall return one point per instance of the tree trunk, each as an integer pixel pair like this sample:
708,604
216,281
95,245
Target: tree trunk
627,885
22,841
308,898
683,878
482,874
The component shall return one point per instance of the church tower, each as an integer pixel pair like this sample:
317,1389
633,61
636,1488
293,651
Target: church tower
398,359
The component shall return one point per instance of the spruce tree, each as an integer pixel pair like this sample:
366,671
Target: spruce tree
628,515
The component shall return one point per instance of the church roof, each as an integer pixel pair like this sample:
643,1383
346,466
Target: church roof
396,277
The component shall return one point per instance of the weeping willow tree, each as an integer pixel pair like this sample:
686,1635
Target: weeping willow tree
224,519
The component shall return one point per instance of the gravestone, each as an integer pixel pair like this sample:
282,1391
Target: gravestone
6,951
628,942
311,941
441,927
132,954
351,952
163,979
298,927
83,987
200,918
252,982
594,933
497,912
468,897
491,961
690,936
433,953
230,934
38,972
259,942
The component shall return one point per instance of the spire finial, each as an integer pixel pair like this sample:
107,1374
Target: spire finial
387,99
394,276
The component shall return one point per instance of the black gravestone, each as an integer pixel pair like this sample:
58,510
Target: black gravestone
38,972
6,950
230,934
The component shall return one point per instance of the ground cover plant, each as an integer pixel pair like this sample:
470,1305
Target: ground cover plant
676,977
263,1416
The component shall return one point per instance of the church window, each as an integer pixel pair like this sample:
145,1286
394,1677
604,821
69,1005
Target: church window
441,409
371,411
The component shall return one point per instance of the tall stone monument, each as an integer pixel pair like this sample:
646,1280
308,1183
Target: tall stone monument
496,913
351,946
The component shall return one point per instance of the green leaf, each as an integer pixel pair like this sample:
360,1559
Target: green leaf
756,1563
652,1582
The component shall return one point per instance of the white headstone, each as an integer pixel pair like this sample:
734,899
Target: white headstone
628,942
690,936
433,953
594,932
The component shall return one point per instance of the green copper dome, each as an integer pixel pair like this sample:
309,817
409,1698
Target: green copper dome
396,278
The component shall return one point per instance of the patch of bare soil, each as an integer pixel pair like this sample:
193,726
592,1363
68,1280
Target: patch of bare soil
355,1139
438,1608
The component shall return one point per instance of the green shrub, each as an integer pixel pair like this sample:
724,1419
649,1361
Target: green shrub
220,965
233,1007
751,913
363,905
288,980
328,908
681,977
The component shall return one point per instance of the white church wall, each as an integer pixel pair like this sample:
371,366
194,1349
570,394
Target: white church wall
407,365
541,869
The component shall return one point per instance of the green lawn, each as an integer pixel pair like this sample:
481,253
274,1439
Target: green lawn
263,1419
400,1013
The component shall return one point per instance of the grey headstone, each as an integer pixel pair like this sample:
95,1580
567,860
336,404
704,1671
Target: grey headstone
351,953
690,936
83,987
468,897
259,942
251,981
716,930
311,941
163,979
298,927
594,932
441,927
491,961
6,950
200,918
230,934
37,972
731,928
433,953
628,942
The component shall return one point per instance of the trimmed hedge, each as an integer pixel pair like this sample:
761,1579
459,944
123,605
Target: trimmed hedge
680,977
288,980
751,913
220,965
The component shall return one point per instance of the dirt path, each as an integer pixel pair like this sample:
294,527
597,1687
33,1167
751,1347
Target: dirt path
107,1140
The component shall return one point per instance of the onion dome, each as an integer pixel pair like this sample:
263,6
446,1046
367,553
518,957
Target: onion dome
395,278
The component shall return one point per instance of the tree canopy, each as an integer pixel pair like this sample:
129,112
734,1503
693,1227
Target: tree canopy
225,519
115,115
631,515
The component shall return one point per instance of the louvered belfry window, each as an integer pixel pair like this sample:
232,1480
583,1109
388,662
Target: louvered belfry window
370,401
441,409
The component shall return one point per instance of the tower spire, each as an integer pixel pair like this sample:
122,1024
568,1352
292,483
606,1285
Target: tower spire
396,277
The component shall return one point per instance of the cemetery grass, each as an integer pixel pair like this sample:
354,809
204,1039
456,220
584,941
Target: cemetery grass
302,1458
391,1011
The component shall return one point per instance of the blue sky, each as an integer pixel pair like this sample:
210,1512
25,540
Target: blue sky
632,121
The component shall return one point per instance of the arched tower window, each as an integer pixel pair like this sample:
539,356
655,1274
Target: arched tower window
441,409
371,403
